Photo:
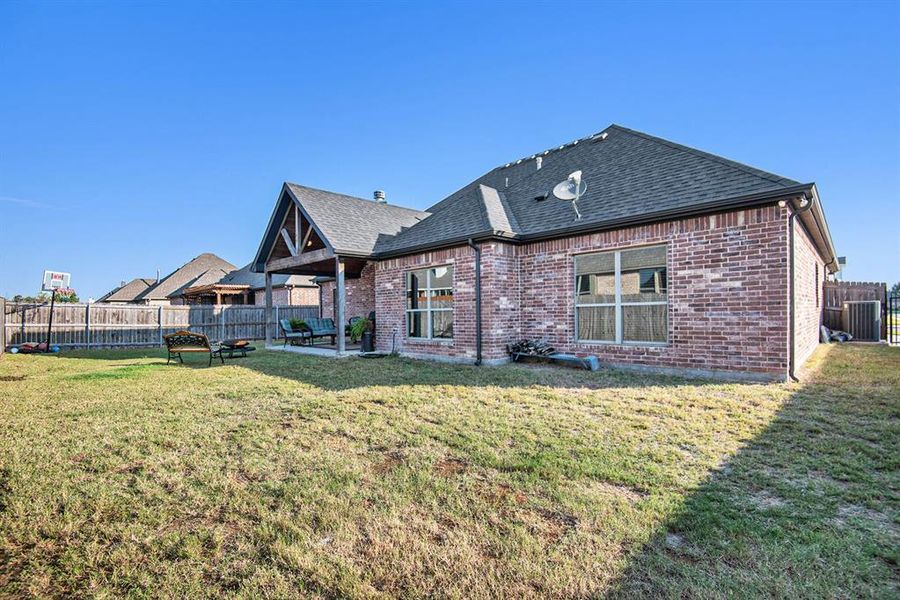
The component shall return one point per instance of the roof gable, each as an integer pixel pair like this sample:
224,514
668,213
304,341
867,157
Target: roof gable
353,225
347,225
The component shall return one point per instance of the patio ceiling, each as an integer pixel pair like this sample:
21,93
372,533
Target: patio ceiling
316,263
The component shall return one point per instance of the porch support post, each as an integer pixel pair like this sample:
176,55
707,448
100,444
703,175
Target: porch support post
339,308
268,309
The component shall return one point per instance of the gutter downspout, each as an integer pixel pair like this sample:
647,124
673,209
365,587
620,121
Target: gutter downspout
477,250
792,351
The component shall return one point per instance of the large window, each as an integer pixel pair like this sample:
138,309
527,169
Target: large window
429,303
621,296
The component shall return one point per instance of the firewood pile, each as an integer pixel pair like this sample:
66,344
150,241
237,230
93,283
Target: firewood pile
531,348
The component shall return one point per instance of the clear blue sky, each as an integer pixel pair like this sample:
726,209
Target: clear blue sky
134,136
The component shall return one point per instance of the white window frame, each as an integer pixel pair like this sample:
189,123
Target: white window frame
428,310
618,305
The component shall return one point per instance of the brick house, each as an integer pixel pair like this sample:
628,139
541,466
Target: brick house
672,260
168,290
243,286
209,279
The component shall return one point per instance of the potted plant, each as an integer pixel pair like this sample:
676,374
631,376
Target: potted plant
364,329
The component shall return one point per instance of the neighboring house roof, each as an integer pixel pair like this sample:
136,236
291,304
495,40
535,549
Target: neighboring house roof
257,281
129,291
187,276
210,277
628,174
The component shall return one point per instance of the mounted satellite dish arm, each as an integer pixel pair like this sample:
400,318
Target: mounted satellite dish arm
572,189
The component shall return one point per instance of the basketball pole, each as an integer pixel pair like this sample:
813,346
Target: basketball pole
50,325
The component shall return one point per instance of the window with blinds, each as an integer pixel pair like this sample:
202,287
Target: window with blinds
621,296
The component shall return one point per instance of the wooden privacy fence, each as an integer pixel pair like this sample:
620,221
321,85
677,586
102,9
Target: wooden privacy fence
111,326
838,292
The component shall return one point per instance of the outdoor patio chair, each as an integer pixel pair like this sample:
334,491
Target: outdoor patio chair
321,328
186,341
294,336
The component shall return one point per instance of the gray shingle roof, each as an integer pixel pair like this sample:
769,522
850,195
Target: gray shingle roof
129,291
353,225
209,277
185,276
257,281
628,174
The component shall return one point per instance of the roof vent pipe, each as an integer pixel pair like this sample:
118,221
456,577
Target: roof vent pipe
379,197
538,162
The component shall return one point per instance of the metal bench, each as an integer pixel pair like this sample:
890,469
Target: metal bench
185,341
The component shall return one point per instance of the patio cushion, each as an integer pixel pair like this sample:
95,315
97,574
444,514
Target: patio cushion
321,327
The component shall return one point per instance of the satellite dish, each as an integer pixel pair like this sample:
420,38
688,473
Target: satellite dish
571,190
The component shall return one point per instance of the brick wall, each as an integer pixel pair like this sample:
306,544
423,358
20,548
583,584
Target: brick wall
728,288
501,297
390,304
360,300
727,303
809,275
304,296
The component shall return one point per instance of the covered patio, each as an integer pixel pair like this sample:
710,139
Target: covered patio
323,234
319,262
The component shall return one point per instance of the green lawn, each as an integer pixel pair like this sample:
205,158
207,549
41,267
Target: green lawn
282,475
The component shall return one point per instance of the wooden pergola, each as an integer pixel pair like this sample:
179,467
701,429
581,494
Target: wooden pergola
217,293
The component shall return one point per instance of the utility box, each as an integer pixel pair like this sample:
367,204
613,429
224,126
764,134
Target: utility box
862,320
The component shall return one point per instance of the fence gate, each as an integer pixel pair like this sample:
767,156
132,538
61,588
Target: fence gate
893,319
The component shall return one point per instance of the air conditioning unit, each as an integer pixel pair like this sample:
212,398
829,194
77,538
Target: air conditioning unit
862,320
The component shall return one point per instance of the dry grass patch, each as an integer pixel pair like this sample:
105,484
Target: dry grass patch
282,476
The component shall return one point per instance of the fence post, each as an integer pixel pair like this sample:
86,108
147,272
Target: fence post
87,325
22,338
222,321
159,324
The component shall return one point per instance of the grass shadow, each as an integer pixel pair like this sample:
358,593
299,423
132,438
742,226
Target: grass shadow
809,508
